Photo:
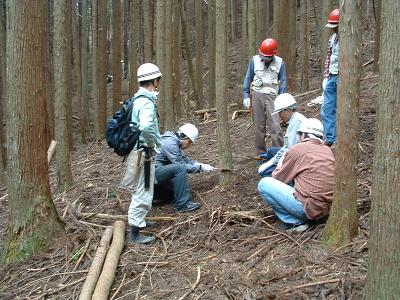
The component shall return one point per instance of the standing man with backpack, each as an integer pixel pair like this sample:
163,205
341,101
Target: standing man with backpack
267,74
144,118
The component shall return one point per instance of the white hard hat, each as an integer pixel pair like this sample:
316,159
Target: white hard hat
313,126
190,131
148,71
282,102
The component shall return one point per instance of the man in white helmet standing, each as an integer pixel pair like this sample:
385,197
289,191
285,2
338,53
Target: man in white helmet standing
284,105
311,165
144,118
172,166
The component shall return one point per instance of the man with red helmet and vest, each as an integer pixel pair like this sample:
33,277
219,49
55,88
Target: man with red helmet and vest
328,109
267,73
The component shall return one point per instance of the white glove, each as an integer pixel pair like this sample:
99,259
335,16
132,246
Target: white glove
206,168
265,166
324,82
246,103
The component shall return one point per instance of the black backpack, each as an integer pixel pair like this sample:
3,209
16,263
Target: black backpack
121,134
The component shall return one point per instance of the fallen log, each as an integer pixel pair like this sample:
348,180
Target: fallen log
207,110
95,269
240,112
107,275
307,93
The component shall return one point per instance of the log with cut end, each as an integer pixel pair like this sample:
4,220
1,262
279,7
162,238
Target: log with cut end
107,276
95,269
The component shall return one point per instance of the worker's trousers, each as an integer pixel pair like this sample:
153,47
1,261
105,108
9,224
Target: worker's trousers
142,197
173,179
263,106
328,109
280,197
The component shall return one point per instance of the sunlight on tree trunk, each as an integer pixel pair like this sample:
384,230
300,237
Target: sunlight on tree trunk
343,220
383,279
33,221
224,139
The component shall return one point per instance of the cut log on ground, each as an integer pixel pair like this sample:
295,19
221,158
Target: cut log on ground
95,269
208,110
236,113
107,276
50,152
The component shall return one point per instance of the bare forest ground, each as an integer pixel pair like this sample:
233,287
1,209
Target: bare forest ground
231,239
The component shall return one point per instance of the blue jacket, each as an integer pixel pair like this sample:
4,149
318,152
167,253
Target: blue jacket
250,76
171,153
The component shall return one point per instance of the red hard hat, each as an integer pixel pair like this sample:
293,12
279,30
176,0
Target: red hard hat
268,47
333,19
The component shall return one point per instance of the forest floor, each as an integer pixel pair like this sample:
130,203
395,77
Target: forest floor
231,239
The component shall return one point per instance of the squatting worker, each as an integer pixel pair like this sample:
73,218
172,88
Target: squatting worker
173,166
267,74
144,117
328,109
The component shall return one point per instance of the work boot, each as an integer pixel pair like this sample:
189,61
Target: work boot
151,224
136,237
190,206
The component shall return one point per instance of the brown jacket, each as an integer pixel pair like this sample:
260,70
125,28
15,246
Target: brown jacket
312,167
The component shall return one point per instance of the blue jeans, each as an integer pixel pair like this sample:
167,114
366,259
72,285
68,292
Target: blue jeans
173,179
328,109
280,197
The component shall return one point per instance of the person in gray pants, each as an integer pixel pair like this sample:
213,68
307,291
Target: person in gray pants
172,166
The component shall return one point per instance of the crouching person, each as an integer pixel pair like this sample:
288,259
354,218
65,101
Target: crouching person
310,164
172,166
139,176
285,106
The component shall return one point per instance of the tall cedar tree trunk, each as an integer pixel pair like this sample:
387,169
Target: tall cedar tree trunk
50,74
33,221
134,37
251,31
291,61
116,58
244,38
211,53
233,20
85,119
95,70
2,83
147,30
343,219
160,57
378,9
262,20
169,103
326,8
76,40
189,60
305,48
383,277
125,28
176,60
199,47
102,59
224,139
62,90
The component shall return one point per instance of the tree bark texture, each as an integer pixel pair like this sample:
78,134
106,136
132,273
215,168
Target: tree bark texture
62,90
176,60
125,29
199,47
169,123
188,52
211,53
326,8
383,277
76,40
117,55
85,118
304,86
252,28
343,220
160,56
244,37
50,76
291,61
102,60
147,7
378,10
133,48
33,221
224,139
95,69
2,84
